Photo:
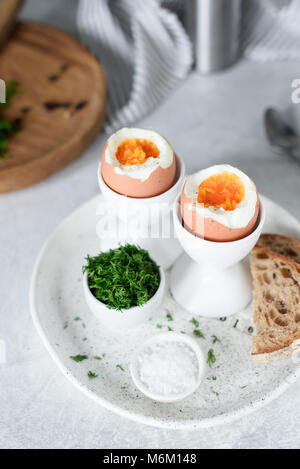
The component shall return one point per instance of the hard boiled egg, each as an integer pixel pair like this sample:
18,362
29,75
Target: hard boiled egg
138,163
219,203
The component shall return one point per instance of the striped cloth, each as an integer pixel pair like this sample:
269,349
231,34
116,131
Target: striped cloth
271,30
143,48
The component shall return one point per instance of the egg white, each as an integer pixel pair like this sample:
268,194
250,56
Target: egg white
237,218
144,170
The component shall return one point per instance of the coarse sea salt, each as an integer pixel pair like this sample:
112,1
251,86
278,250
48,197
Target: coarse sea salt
168,368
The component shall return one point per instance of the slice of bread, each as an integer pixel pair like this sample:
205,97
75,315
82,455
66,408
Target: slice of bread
276,299
284,245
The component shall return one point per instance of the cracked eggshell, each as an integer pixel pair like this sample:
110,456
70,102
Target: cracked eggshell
159,181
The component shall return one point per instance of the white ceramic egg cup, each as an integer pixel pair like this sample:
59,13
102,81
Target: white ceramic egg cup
213,278
163,250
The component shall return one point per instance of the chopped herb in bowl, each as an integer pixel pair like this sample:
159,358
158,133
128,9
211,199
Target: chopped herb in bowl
122,278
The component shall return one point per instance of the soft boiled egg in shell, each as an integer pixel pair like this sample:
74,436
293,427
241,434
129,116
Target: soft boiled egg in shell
138,163
219,203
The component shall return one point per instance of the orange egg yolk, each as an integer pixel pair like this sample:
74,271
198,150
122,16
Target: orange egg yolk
136,151
224,190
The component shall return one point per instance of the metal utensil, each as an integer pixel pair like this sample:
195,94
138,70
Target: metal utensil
281,135
213,26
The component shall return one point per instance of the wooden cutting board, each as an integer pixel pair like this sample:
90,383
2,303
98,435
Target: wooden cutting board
61,103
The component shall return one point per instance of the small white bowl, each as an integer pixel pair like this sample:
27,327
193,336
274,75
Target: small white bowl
127,207
126,318
168,337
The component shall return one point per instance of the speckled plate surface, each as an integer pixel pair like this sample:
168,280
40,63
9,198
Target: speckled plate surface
234,386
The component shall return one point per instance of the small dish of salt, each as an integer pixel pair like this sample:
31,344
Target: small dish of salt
168,367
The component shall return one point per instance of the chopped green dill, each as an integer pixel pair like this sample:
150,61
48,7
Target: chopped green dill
97,357
103,355
92,375
243,387
77,318
216,393
212,378
121,367
84,339
122,278
195,322
211,359
170,328
78,358
215,339
198,333
169,317
66,324
159,326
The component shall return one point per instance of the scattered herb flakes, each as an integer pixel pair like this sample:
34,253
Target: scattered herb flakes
169,317
211,359
92,375
7,127
195,322
66,324
215,392
16,124
122,278
97,357
79,358
53,77
77,318
53,105
215,339
170,328
243,387
103,355
80,105
121,367
212,378
25,109
159,326
83,325
198,333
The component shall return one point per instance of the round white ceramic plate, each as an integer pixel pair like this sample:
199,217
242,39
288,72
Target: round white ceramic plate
235,385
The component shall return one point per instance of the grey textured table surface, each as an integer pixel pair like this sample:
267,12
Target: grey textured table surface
208,120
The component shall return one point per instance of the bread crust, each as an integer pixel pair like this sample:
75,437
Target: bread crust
269,238
275,255
277,354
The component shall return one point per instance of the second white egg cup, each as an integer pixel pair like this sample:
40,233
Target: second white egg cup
213,278
163,250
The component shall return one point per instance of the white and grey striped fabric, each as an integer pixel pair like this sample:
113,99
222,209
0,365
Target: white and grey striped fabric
143,48
271,30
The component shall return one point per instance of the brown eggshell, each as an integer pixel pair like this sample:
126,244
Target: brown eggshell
213,230
158,182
